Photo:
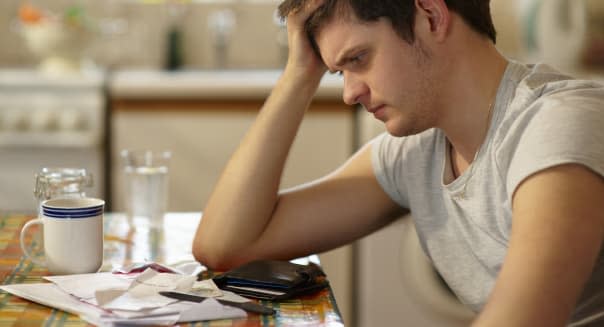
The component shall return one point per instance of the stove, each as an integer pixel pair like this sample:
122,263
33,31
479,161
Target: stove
49,121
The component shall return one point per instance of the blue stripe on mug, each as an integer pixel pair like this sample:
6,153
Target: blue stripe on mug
70,216
72,212
73,209
73,215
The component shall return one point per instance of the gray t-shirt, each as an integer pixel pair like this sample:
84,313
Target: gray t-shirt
540,119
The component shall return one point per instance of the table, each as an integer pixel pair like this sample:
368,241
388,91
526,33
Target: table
124,245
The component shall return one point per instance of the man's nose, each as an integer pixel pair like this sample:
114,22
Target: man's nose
354,89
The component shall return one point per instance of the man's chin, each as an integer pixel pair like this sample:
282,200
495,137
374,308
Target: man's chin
393,129
399,131
398,134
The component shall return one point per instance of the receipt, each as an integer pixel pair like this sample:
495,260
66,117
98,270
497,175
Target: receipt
205,288
143,291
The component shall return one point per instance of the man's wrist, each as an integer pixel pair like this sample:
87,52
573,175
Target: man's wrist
301,81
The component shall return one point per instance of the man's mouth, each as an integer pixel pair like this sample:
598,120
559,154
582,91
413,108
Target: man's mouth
374,109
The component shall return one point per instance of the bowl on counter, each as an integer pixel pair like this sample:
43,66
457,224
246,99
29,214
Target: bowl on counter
59,41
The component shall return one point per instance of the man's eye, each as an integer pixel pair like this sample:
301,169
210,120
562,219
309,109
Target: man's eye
356,59
339,73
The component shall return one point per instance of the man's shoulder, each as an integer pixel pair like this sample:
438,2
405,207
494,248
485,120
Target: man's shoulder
542,80
537,90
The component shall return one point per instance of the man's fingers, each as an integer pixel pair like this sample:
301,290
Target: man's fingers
312,5
302,12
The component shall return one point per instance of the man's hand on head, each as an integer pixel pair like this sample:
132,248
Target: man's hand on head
302,57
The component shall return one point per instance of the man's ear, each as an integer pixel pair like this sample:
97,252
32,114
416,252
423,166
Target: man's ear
437,14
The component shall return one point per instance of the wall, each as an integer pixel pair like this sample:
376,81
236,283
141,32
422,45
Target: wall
511,21
134,35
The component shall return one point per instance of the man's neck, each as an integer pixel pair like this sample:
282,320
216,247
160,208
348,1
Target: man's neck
469,102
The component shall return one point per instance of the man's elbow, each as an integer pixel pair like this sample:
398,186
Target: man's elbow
212,256
206,255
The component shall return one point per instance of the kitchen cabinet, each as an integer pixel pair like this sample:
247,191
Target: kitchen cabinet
203,135
202,117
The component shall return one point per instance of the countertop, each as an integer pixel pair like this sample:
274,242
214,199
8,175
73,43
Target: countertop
207,84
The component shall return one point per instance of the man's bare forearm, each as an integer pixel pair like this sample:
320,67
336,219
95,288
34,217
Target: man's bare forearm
245,196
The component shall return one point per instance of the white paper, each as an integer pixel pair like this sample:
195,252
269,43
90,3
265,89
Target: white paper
192,268
110,321
210,309
133,299
143,291
205,288
80,285
189,311
50,295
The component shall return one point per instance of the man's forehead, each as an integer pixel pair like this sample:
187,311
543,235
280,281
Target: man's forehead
336,38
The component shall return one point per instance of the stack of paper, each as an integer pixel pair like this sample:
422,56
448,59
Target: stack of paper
106,299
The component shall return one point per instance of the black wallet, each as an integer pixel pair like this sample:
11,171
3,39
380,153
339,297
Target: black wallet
272,280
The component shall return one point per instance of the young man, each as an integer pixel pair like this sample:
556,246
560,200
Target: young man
500,164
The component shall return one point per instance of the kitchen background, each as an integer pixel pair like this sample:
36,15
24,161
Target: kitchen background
135,34
189,76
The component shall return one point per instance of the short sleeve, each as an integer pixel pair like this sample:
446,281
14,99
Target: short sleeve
560,129
387,162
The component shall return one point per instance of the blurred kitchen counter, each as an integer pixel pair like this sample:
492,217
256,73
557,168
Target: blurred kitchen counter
208,85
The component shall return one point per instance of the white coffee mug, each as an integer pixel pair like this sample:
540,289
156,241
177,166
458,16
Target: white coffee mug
73,235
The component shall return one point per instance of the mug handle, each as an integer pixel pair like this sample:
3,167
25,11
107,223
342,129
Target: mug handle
22,240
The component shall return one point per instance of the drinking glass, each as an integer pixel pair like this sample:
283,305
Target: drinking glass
145,175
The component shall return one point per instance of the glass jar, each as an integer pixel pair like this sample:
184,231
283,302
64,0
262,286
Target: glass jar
54,183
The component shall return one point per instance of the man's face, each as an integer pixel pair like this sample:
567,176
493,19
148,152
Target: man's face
392,79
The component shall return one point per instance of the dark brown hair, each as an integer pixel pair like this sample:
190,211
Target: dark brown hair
401,13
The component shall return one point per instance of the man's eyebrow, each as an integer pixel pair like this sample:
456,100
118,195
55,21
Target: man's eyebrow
345,57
